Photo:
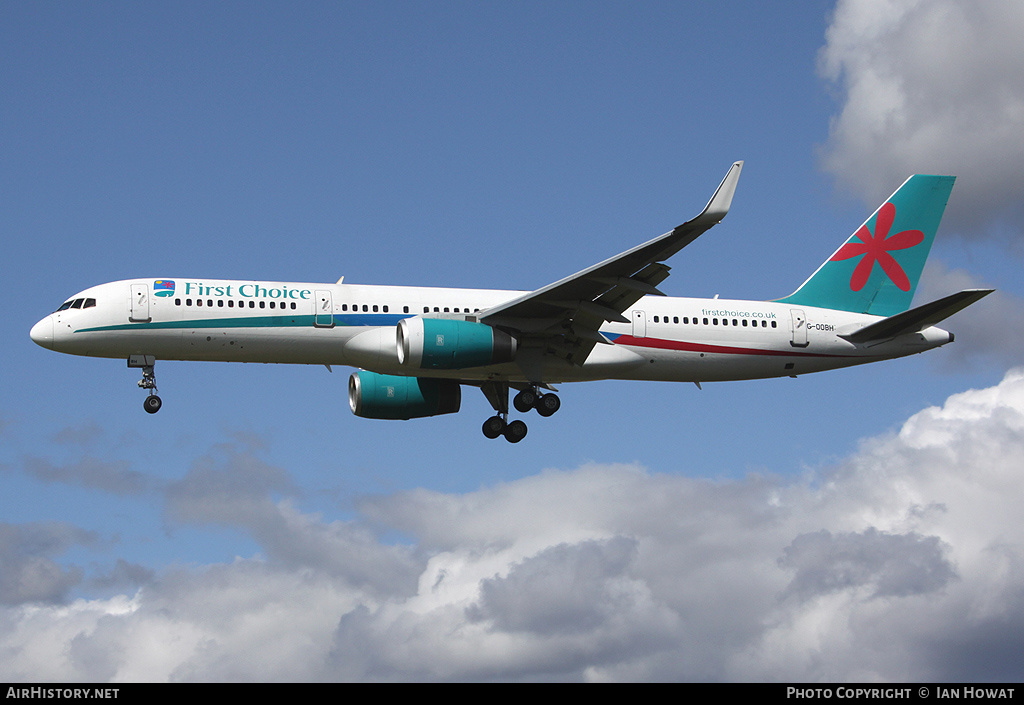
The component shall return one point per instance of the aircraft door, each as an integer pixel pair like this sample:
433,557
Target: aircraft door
639,324
139,311
799,339
324,315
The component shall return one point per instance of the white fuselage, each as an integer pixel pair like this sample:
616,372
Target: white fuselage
667,338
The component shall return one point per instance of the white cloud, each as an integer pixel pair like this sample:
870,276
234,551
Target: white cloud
28,572
904,562
931,86
891,564
987,331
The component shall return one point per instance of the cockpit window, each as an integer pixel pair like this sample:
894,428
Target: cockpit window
77,303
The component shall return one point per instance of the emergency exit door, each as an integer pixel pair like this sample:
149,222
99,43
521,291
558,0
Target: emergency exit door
324,316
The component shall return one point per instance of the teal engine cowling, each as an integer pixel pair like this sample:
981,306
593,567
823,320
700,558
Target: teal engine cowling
377,396
444,344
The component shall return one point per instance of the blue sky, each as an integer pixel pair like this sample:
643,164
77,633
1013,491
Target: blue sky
500,145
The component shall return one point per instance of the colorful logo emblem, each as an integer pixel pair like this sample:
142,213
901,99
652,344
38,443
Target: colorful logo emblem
163,287
876,248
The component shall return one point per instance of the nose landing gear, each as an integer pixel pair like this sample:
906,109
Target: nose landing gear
151,403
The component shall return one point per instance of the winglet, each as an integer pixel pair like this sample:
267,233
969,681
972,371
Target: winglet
719,204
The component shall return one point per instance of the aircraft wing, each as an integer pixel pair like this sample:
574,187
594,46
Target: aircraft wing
567,314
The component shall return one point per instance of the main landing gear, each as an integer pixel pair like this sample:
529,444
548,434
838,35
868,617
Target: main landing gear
151,403
513,431
529,398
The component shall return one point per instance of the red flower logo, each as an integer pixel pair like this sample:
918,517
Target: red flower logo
875,248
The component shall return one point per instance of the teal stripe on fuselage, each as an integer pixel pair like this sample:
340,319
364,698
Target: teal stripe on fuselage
303,321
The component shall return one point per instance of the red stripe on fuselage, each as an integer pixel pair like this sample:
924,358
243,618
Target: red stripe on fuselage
663,344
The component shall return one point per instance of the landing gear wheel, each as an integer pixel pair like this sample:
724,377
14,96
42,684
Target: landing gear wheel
152,402
548,404
525,400
515,431
494,426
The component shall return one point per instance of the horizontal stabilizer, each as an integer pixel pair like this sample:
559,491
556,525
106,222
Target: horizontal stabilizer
916,319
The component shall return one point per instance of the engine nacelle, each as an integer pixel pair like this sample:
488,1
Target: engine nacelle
443,344
376,396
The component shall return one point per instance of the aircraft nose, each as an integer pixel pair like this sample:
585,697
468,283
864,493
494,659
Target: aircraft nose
42,333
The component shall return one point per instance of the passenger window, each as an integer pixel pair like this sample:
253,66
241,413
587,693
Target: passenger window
385,308
231,303
220,303
199,302
405,309
177,302
263,304
365,308
375,308
293,305
655,319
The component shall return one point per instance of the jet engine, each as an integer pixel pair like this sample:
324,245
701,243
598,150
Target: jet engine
377,396
443,344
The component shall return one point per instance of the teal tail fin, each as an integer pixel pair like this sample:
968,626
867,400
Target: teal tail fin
877,268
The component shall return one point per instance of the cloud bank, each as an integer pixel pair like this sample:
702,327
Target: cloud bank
931,86
905,561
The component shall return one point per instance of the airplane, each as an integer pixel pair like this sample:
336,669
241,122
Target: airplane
416,347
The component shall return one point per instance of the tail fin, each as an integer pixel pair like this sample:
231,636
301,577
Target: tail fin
877,268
